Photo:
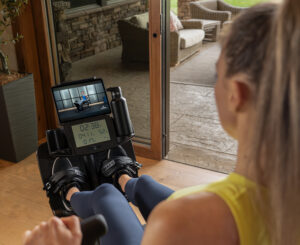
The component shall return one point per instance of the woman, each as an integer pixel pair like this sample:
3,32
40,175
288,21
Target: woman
258,204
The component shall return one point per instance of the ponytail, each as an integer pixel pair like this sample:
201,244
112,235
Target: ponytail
277,133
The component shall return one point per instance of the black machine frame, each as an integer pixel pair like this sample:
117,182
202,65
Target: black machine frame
89,158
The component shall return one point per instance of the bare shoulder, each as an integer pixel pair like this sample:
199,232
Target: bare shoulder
202,218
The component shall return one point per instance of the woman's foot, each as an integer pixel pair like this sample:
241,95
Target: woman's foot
119,164
123,179
70,193
65,181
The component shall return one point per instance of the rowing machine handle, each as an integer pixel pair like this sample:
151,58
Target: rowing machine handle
93,228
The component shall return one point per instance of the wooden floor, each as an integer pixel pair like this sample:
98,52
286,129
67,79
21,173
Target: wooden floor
24,204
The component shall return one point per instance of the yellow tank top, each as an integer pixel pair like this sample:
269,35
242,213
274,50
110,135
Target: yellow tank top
236,191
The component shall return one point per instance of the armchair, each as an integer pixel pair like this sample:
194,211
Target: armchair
186,42
214,10
135,41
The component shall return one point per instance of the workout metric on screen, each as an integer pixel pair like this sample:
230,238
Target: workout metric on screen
90,133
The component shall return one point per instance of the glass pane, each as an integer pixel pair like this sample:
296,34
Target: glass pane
196,135
59,105
110,41
93,98
67,104
65,94
99,88
57,95
91,89
74,92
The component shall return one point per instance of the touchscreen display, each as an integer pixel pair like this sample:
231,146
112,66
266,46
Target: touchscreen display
90,133
80,100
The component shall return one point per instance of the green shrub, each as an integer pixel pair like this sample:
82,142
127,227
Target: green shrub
239,3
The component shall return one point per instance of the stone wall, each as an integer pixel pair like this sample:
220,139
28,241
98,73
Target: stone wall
94,29
184,9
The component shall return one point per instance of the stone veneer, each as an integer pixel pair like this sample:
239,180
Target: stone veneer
184,9
93,28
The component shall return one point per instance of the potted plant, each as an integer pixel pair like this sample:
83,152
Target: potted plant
18,123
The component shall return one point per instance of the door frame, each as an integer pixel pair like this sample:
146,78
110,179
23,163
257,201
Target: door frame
154,151
33,56
34,21
165,77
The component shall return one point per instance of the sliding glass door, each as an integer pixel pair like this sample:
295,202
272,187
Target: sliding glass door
120,42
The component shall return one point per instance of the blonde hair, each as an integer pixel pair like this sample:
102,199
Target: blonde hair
276,133
246,41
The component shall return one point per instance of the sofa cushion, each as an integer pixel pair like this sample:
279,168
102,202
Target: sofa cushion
175,23
141,20
190,37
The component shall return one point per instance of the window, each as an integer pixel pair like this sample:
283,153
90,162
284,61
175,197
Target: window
78,3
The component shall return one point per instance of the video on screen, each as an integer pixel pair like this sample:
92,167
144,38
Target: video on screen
80,100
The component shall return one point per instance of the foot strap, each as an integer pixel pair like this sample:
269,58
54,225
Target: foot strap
111,166
63,178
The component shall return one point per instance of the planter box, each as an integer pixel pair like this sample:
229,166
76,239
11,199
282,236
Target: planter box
18,122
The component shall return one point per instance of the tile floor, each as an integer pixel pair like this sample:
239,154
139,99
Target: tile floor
196,135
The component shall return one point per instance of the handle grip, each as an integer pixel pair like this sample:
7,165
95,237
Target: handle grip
93,228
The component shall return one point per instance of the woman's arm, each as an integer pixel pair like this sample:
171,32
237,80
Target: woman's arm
197,219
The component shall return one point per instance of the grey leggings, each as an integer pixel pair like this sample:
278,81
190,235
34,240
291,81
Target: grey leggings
124,228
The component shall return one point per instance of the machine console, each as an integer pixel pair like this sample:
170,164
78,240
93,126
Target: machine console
84,112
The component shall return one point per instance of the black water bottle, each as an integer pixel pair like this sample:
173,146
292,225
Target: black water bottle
120,112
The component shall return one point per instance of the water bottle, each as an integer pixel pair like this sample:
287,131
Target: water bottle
120,113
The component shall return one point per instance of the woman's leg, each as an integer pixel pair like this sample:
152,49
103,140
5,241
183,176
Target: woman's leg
145,193
124,227
81,204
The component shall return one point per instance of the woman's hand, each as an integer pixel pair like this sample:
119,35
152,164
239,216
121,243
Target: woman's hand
64,231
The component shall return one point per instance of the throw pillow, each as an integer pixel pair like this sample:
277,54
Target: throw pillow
142,20
175,23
